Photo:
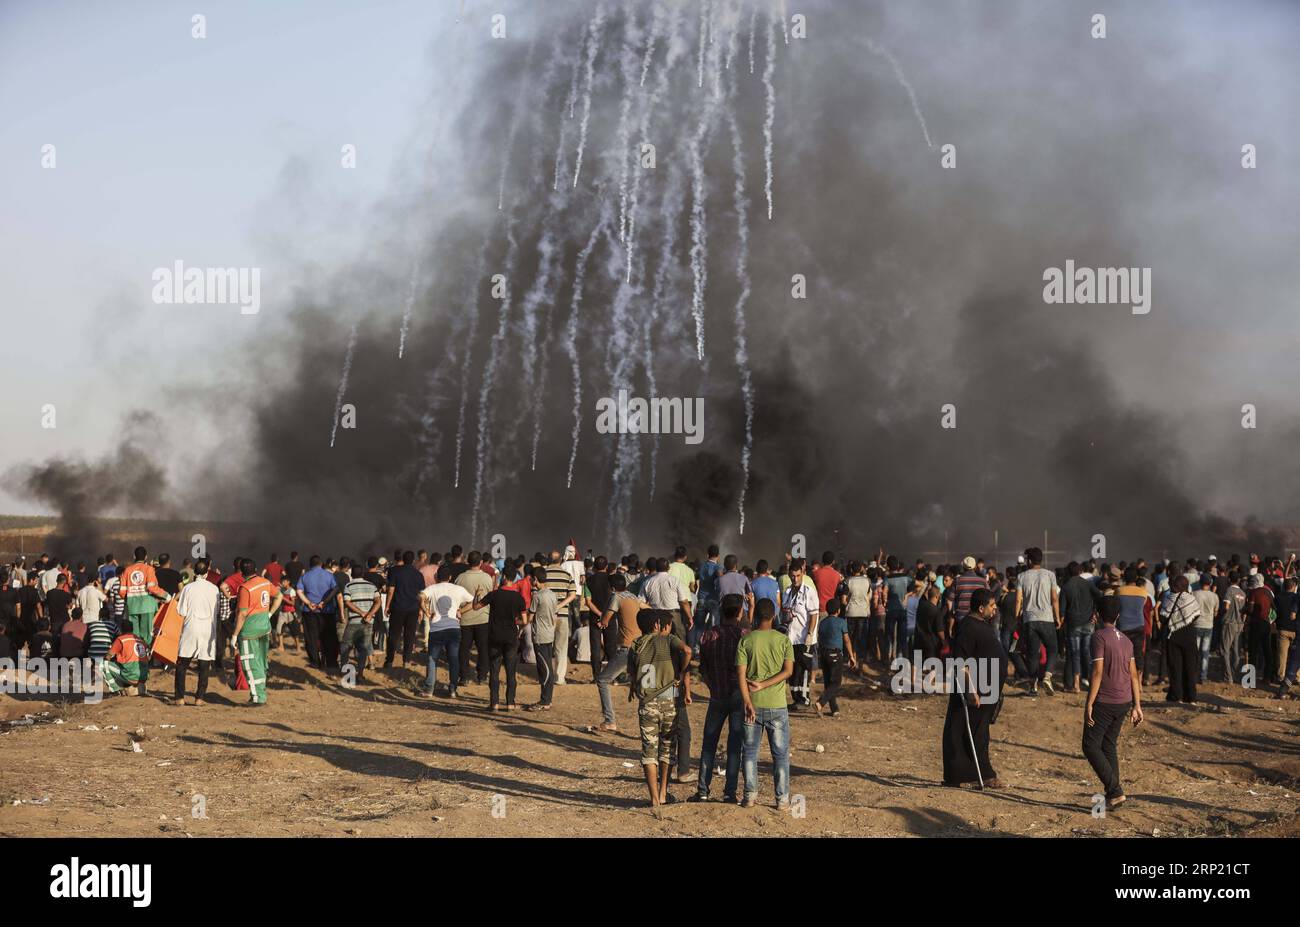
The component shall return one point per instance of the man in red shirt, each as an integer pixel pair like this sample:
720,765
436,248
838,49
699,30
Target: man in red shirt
274,570
827,579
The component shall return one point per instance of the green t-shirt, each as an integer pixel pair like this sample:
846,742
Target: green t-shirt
652,665
764,654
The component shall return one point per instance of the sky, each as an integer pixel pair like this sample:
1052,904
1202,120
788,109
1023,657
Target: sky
225,151
169,147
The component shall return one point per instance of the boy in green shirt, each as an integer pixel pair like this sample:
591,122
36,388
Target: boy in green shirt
764,661
657,664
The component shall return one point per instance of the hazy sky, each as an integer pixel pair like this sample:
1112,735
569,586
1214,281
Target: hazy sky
173,147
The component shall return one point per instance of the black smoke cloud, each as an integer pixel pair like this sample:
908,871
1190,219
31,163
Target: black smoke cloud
924,289
128,482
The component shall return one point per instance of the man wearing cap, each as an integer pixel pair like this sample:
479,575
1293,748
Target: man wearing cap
960,591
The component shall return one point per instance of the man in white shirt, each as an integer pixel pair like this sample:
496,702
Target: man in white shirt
197,604
91,600
799,612
442,604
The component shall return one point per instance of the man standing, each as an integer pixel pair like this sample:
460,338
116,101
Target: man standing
474,631
360,603
1115,694
142,593
443,604
662,590
764,661
707,584
1039,607
546,608
734,582
318,598
718,669
559,579
799,613
404,587
197,605
1234,603
506,611
970,712
686,576
257,600
1079,600
622,612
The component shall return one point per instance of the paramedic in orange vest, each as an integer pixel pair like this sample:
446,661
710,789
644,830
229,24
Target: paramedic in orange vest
142,593
258,598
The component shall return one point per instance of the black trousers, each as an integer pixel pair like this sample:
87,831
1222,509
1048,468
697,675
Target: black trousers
801,680
182,667
681,735
545,671
1101,740
508,654
477,636
401,627
329,639
1038,633
832,662
311,626
594,640
1184,664
1138,638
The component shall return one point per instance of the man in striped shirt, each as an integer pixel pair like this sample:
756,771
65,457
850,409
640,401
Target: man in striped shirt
959,594
559,579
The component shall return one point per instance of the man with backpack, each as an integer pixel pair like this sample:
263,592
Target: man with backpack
657,665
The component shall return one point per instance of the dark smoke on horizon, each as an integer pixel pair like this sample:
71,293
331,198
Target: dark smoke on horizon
924,289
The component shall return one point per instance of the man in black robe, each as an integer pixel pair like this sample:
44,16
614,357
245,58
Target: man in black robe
976,697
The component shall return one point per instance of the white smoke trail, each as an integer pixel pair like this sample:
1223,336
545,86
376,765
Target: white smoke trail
785,23
570,102
410,307
656,24
704,27
676,49
769,117
343,381
628,62
878,49
571,342
742,276
470,311
597,24
485,407
753,17
699,226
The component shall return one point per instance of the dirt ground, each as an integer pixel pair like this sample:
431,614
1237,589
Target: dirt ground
321,760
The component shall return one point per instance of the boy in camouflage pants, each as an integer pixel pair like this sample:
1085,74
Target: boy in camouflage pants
657,663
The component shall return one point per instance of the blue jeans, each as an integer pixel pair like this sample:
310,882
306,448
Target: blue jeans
1078,662
617,664
444,642
1203,637
896,632
1004,635
776,722
732,712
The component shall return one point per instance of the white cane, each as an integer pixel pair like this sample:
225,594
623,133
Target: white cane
970,735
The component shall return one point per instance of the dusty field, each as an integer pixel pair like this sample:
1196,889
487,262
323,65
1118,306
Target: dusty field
324,761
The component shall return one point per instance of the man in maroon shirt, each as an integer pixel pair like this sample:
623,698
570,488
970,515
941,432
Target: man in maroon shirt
718,670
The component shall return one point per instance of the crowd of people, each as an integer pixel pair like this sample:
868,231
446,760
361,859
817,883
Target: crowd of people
755,638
